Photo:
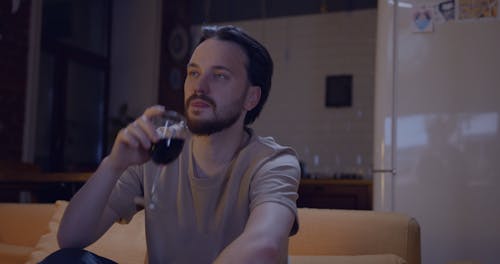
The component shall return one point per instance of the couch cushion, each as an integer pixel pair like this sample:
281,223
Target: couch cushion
121,243
32,219
14,254
347,232
360,259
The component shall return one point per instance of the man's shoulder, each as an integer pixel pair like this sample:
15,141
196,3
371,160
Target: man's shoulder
268,147
270,143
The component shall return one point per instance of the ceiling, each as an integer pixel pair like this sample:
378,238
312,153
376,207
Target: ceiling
210,11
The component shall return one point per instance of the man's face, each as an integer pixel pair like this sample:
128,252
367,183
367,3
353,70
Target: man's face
216,87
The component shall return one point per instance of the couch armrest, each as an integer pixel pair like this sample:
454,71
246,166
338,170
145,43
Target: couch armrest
349,232
23,224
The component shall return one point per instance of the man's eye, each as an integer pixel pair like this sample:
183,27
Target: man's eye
193,74
221,76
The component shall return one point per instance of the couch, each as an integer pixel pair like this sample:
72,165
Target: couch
28,234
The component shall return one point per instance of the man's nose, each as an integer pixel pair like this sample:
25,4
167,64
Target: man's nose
202,86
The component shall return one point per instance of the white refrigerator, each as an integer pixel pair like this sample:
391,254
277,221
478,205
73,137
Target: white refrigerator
437,115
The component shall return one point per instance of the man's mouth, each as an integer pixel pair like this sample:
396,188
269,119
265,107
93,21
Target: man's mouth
200,101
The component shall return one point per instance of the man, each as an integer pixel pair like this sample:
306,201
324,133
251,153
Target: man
229,197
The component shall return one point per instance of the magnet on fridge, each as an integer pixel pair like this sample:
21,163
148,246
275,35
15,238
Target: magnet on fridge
422,19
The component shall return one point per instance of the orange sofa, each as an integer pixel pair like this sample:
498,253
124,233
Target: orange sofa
28,234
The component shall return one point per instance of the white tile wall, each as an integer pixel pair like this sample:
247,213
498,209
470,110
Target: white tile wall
305,50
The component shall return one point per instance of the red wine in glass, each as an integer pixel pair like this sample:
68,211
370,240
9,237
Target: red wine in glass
171,128
166,150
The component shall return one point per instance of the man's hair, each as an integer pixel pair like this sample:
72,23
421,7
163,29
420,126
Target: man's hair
260,63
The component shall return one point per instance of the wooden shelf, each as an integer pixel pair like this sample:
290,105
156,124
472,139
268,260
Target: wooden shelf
69,177
24,183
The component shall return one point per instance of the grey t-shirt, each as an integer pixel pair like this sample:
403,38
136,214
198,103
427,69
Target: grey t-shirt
194,219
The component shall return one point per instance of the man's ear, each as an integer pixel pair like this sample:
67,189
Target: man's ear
252,98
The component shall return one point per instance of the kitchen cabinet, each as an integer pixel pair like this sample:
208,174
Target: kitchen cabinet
353,194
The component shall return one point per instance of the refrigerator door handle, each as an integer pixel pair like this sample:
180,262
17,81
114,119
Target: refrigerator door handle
392,171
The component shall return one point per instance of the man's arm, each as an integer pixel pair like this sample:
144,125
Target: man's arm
265,238
87,216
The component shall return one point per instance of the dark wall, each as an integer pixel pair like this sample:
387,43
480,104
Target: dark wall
14,30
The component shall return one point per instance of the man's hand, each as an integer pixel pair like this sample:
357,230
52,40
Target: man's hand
132,143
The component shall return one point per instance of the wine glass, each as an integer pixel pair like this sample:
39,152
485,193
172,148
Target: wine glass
172,130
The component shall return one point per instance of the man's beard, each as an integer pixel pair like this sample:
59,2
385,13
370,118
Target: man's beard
217,124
